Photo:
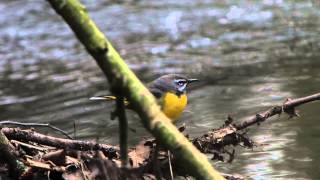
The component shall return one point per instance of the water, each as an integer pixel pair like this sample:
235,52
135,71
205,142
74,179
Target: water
249,56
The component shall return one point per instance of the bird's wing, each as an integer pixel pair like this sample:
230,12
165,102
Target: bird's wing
156,92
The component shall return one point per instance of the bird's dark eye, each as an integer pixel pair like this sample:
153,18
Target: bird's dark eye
180,82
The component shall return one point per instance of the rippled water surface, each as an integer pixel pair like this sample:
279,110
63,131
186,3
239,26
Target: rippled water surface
249,55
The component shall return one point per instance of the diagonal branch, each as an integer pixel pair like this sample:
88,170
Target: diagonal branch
123,81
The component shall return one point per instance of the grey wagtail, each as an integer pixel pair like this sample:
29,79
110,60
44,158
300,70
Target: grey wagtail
170,91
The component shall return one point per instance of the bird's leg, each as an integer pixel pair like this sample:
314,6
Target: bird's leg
123,129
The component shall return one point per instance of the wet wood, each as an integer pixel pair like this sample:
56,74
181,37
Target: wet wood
31,135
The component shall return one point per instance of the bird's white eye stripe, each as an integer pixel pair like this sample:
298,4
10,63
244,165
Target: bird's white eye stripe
180,81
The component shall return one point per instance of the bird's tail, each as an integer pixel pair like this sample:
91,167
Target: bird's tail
108,98
105,98
113,98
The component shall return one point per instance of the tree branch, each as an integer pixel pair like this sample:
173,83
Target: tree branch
288,107
124,81
230,134
29,135
35,125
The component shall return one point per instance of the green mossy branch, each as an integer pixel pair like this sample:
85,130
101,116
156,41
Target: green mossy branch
7,155
124,83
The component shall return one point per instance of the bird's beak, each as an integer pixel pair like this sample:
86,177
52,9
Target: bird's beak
192,80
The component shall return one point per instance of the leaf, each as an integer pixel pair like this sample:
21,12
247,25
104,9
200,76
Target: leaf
140,153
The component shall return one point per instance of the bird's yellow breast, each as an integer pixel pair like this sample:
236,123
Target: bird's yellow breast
173,105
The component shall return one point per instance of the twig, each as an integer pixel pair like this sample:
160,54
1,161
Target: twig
156,167
170,166
233,176
287,107
123,129
29,135
230,133
35,125
297,102
74,130
44,166
29,145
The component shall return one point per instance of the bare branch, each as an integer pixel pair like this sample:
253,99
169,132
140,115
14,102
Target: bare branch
215,141
287,107
35,125
29,135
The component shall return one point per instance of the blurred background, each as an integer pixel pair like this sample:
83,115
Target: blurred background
249,55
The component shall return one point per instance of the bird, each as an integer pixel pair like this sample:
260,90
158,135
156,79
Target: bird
170,91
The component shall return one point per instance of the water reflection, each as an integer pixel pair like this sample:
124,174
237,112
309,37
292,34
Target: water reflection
249,56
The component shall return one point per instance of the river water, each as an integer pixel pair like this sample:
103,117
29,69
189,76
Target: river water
249,55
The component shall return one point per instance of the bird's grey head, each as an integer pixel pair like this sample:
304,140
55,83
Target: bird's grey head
173,82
